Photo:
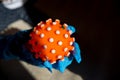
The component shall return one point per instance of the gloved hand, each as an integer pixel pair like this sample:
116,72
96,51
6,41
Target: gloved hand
11,46
14,46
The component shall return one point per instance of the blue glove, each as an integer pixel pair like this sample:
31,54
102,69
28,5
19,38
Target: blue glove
13,47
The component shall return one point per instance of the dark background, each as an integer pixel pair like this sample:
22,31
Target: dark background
97,23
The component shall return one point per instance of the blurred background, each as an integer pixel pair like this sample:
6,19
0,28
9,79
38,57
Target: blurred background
96,22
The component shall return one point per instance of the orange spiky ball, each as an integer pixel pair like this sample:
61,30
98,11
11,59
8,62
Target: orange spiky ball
51,41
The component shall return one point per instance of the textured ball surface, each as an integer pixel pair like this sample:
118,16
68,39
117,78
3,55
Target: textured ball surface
51,41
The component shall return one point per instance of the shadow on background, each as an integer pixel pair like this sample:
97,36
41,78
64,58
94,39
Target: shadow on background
13,70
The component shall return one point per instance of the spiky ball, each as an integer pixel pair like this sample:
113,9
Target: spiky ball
51,41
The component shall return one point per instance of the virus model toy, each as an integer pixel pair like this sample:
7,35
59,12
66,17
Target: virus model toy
52,44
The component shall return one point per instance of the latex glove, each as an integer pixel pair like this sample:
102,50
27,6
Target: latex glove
14,46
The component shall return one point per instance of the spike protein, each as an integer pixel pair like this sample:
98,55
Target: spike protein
52,44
